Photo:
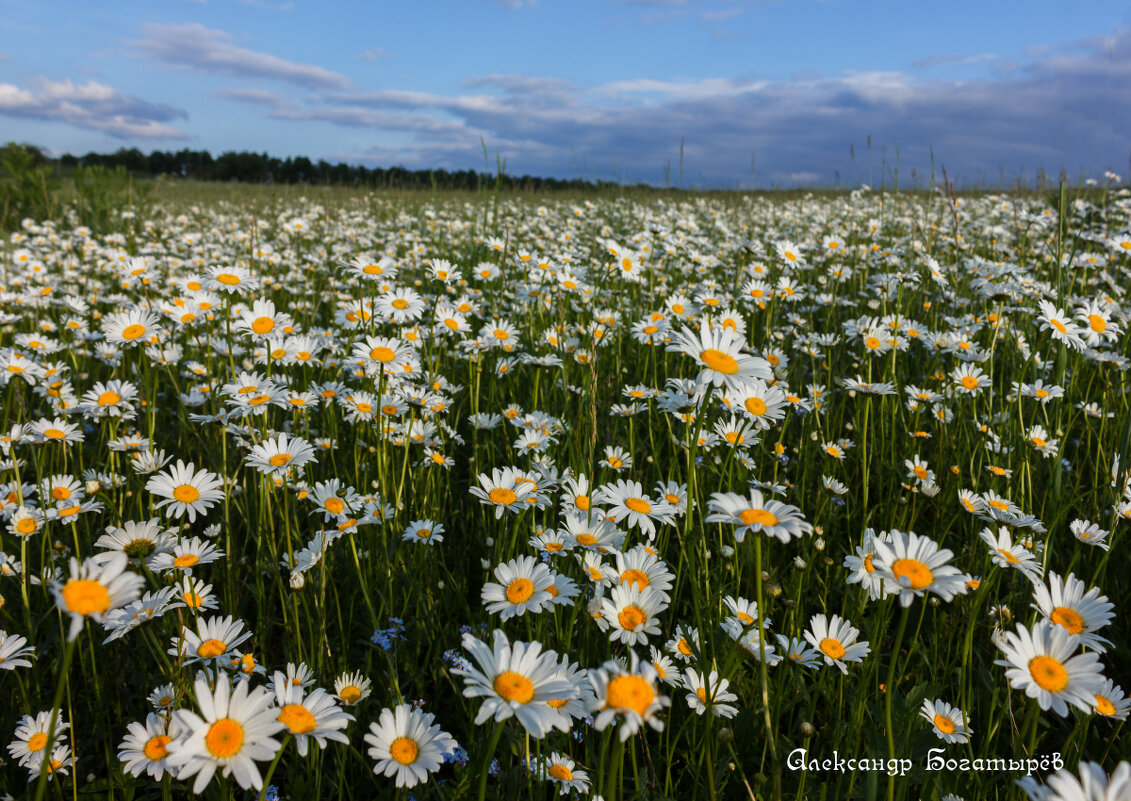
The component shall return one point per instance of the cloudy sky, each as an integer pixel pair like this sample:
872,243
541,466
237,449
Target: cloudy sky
795,92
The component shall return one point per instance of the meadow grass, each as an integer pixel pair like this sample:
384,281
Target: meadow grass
671,438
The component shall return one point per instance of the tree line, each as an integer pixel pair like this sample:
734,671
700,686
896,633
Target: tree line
261,168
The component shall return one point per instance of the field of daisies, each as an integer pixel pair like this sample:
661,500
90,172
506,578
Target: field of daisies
804,497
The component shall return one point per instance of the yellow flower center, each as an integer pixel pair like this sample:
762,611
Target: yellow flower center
586,539
1098,324
186,493
632,616
751,517
108,398
515,687
132,332
1104,706
920,472
520,590
86,597
638,505
279,459
630,692
228,279
832,648
969,381
503,496
263,325
155,748
37,742
400,304
917,573
382,354
560,772
350,694
186,560
683,647
719,362
1048,673
944,724
1009,557
404,750
224,738
756,406
297,718
1068,618
54,433
637,577
26,525
210,649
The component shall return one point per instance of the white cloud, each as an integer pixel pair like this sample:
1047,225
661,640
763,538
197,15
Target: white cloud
210,51
94,106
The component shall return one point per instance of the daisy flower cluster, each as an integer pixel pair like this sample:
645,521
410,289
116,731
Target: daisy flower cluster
508,497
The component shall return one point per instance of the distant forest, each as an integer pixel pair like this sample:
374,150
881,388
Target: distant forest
260,168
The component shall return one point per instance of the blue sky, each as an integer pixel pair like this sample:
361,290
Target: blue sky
761,93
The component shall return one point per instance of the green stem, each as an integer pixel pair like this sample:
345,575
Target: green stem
889,691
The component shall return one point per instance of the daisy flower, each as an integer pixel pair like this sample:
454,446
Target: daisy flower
863,568
423,532
629,694
709,693
798,652
262,320
627,500
504,489
616,459
214,638
57,763
753,513
916,565
641,567
946,720
186,490
405,743
1045,662
1065,603
57,430
14,651
94,589
523,585
31,736
1006,554
136,539
131,327
559,769
231,279
185,555
631,612
314,716
352,688
1111,702
1089,533
684,643
1093,784
970,380
277,456
836,640
719,352
1060,324
517,681
232,732
145,746
760,403
592,532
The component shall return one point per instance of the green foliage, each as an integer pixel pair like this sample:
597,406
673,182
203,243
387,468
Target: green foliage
101,193
26,186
